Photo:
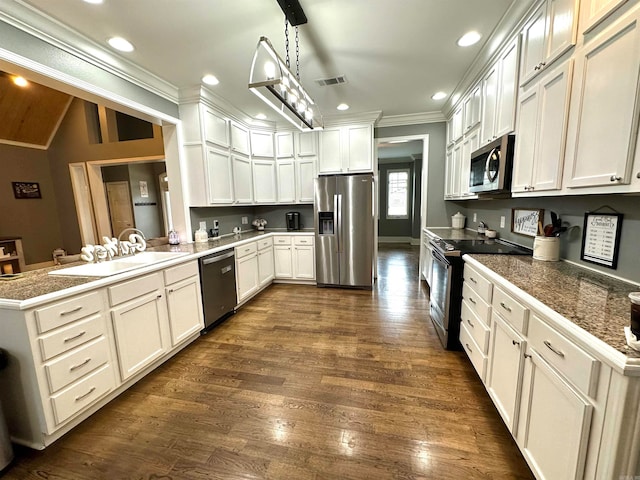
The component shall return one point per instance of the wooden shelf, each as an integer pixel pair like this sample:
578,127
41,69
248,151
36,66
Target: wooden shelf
17,261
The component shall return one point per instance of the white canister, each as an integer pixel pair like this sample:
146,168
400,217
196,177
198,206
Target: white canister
546,248
457,221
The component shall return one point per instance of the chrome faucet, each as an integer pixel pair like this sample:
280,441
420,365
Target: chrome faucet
130,229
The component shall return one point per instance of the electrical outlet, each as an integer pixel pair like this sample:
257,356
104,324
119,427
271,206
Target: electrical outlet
216,224
245,220
475,217
502,221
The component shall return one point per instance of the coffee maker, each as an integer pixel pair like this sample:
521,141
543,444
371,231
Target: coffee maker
292,221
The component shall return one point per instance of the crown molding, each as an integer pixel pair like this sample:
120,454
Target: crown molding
26,18
347,119
410,119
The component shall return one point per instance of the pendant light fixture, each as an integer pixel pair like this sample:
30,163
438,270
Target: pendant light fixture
273,82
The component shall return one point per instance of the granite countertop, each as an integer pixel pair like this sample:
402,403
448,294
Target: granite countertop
38,283
597,303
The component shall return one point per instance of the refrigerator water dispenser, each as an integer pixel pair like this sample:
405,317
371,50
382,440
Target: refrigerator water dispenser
325,223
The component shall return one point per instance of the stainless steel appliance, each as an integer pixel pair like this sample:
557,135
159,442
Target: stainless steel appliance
446,281
218,283
344,224
292,221
491,167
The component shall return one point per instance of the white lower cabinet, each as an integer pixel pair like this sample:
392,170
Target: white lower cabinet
294,258
184,301
254,268
304,265
265,262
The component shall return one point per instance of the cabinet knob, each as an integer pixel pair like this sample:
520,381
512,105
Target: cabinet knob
615,178
537,67
159,297
542,64
515,342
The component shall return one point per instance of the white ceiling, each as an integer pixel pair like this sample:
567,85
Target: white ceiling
394,53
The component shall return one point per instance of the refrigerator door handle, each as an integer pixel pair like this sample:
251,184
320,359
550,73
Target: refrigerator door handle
338,210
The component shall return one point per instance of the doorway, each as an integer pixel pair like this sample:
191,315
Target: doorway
120,207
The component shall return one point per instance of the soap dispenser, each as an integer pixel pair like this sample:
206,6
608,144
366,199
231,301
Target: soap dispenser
201,233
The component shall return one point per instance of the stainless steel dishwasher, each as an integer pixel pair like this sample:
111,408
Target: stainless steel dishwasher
218,283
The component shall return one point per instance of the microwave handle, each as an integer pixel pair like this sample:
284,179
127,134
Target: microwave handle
486,165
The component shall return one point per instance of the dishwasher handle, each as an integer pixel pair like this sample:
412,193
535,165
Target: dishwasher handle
217,258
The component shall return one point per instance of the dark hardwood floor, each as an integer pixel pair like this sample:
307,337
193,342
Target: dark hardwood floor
302,383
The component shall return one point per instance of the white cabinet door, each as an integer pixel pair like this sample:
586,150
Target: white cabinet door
448,175
286,180
283,261
489,102
508,84
184,304
284,145
216,128
553,418
450,132
264,181
592,12
469,145
265,266
527,132
330,160
242,181
219,176
304,264
247,277
456,161
359,148
261,144
533,44
561,28
505,370
604,107
457,124
140,328
471,108
306,144
240,139
305,175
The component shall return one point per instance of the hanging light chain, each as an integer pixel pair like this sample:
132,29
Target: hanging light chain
297,55
286,43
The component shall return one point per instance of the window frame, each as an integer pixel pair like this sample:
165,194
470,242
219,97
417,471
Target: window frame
408,191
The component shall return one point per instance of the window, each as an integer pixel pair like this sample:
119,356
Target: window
398,193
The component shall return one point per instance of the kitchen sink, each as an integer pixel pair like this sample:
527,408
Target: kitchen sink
112,267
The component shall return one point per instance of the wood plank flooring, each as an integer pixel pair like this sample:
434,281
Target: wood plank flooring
302,383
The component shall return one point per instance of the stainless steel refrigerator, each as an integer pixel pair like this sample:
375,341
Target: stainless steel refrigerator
344,223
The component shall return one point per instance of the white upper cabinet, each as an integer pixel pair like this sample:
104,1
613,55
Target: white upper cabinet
261,144
216,128
346,149
264,181
541,132
472,108
457,124
603,125
306,144
284,145
507,87
305,175
219,176
592,12
286,175
551,32
469,145
240,139
242,179
489,103
450,132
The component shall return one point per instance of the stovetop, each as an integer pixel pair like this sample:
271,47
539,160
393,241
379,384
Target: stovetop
489,246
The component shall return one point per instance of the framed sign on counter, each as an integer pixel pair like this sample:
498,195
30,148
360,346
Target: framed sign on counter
601,238
524,221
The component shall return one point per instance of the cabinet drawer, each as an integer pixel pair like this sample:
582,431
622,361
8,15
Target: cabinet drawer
481,308
76,364
71,336
137,287
578,366
245,250
475,327
305,240
67,311
479,284
281,240
83,393
180,272
265,243
478,359
510,309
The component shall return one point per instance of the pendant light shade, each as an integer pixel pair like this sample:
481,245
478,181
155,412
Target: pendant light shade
273,82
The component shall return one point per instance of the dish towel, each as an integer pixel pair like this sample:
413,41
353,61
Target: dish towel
632,341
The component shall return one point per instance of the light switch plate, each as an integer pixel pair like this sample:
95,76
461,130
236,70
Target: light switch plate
475,217
245,220
502,220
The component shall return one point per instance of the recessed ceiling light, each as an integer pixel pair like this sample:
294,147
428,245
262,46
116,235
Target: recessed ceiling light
20,81
439,96
121,44
469,38
261,116
95,2
343,106
210,80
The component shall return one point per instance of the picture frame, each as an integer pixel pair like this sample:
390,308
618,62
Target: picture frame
601,239
22,190
524,221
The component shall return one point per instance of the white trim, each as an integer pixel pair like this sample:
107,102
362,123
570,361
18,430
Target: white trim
22,144
408,184
349,119
59,122
411,119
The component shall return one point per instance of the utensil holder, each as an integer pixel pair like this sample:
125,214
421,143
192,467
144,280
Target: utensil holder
546,249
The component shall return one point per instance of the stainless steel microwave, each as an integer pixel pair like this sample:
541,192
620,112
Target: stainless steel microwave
491,166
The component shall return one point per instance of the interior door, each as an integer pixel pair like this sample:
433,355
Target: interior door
120,207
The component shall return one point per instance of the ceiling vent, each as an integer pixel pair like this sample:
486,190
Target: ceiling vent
326,82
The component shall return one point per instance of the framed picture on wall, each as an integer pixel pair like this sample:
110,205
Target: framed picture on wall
26,189
601,238
524,221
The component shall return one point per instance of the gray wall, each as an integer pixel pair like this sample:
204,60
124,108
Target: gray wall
147,211
571,209
396,227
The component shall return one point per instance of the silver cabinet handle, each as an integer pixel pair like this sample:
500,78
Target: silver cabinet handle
554,350
473,280
506,307
615,178
91,390
73,310
471,323
526,355
75,367
468,347
171,290
69,339
158,297
472,301
515,342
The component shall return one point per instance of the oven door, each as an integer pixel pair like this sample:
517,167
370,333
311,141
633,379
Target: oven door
441,277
